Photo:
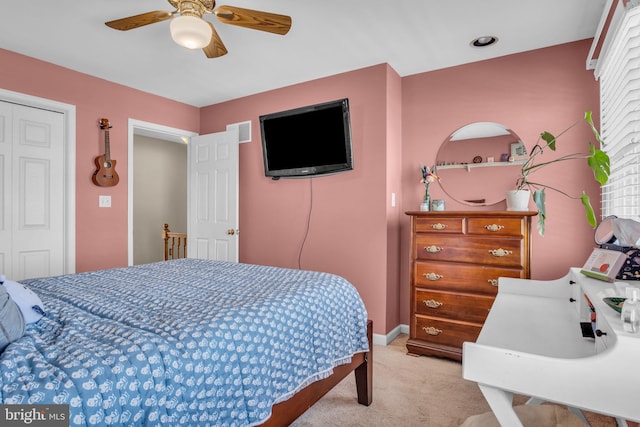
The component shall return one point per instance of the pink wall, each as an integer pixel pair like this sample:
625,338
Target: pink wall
394,297
397,123
101,234
348,230
547,89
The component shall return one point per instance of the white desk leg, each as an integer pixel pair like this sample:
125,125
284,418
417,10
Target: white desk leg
501,403
576,411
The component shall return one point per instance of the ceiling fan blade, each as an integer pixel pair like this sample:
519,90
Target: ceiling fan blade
136,21
215,48
254,19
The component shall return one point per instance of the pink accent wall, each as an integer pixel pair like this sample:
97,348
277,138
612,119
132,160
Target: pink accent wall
397,123
348,231
101,234
546,89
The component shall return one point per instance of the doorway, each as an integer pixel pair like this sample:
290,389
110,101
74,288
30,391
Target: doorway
160,186
165,135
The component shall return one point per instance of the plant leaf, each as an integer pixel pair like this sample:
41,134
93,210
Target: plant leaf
588,119
599,163
549,139
591,216
539,198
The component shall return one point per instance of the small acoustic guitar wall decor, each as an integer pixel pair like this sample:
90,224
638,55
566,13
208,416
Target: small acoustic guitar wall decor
105,175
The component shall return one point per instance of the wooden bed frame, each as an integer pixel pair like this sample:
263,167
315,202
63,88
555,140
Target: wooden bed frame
284,413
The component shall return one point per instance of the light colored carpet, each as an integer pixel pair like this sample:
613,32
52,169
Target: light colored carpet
408,391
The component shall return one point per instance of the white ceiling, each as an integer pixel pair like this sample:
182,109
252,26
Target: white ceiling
327,37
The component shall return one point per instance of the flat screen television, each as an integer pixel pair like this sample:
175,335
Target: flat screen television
307,141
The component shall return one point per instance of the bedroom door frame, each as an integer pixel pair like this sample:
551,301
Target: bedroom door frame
69,197
151,130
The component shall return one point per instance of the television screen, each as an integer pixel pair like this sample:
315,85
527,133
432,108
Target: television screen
307,141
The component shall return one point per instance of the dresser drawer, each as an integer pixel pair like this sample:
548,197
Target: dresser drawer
467,307
471,278
444,332
504,252
439,225
495,226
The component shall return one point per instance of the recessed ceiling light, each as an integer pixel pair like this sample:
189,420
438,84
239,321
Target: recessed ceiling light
484,41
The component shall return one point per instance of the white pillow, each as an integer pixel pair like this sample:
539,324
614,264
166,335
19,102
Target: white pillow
30,304
11,320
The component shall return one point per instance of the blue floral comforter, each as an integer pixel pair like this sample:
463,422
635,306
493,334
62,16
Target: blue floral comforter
184,342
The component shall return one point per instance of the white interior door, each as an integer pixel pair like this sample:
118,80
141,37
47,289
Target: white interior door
212,211
32,219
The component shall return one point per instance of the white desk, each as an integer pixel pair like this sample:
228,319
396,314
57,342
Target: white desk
532,344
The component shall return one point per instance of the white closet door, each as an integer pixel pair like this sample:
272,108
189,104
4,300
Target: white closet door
6,118
33,182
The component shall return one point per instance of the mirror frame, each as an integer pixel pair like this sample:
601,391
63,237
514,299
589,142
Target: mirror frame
480,131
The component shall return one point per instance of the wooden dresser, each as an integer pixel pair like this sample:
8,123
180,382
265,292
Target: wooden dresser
456,259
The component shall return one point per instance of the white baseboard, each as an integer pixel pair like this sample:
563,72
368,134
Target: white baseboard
379,339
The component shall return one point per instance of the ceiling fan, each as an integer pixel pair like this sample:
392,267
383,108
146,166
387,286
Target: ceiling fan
190,30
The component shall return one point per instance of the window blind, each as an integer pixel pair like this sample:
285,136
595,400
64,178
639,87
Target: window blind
619,75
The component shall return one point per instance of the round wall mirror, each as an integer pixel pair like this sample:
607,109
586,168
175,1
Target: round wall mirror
479,162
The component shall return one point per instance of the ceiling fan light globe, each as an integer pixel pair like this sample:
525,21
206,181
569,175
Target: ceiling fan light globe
190,32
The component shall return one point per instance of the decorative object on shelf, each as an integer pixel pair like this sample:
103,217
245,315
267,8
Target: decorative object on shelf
437,205
427,178
518,151
597,160
105,174
504,157
518,200
477,159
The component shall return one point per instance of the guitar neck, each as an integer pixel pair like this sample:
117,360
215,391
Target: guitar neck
107,150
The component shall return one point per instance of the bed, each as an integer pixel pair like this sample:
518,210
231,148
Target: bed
189,342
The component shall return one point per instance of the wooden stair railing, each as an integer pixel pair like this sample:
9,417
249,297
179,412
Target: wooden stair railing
175,244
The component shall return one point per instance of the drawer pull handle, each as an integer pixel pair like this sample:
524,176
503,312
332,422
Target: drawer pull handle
493,227
430,330
431,303
438,226
432,276
433,249
500,252
493,282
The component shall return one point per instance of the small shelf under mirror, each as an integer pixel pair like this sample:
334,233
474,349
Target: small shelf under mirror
469,166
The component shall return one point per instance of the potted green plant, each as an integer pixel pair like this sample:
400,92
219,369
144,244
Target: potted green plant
596,159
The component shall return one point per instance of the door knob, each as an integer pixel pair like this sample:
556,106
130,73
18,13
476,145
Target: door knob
231,232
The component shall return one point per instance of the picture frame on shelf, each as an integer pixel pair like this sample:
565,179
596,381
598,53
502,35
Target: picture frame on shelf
518,151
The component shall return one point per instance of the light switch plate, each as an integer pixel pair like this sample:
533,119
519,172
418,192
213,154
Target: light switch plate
104,201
